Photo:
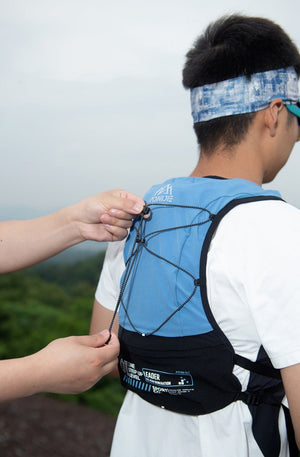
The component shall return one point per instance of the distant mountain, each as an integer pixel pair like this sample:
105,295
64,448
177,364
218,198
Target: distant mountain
77,253
20,212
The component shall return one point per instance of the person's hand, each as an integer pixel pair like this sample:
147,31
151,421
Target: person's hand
107,216
74,364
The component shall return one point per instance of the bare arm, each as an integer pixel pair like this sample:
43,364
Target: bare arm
67,365
103,217
291,382
101,318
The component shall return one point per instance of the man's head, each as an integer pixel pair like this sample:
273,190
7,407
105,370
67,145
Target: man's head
233,47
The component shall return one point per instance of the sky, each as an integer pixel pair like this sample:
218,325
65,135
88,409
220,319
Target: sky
91,96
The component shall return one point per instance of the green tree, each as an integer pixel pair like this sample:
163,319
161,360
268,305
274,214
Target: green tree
52,301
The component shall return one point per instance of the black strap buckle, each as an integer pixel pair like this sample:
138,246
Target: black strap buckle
251,398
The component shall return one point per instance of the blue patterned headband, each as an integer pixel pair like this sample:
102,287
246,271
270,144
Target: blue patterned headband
244,95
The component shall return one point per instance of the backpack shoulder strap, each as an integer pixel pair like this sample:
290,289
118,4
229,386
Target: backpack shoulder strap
206,244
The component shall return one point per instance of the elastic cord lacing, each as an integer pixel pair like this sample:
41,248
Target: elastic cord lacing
140,243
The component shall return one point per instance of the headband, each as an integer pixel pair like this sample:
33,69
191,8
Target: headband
244,94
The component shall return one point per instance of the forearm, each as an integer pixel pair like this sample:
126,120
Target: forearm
102,217
24,243
291,381
19,378
67,366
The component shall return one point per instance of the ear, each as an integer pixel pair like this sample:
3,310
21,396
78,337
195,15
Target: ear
272,115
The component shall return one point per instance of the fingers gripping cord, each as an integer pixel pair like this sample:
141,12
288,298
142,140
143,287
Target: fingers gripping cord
139,244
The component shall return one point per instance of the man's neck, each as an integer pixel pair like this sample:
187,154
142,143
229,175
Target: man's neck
242,162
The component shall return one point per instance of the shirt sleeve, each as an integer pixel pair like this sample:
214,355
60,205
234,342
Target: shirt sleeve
109,284
274,288
260,243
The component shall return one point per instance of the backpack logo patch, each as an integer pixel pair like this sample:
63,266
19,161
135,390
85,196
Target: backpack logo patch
163,194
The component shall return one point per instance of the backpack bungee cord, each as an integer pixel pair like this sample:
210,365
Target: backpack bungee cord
140,243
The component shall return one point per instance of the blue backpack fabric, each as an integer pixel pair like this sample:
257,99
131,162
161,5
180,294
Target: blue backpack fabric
173,353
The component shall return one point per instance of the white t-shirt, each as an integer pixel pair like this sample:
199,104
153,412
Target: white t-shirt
253,289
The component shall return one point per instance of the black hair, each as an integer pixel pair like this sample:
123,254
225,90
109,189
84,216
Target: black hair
234,46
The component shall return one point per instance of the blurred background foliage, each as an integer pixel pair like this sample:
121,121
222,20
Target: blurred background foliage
48,301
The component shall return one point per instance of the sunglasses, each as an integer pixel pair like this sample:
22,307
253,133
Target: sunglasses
295,109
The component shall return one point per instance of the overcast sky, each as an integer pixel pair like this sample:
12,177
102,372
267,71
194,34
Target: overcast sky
91,96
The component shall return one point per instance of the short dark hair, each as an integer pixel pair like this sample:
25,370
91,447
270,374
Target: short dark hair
234,46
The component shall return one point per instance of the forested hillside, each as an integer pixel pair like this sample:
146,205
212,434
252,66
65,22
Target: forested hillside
50,301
